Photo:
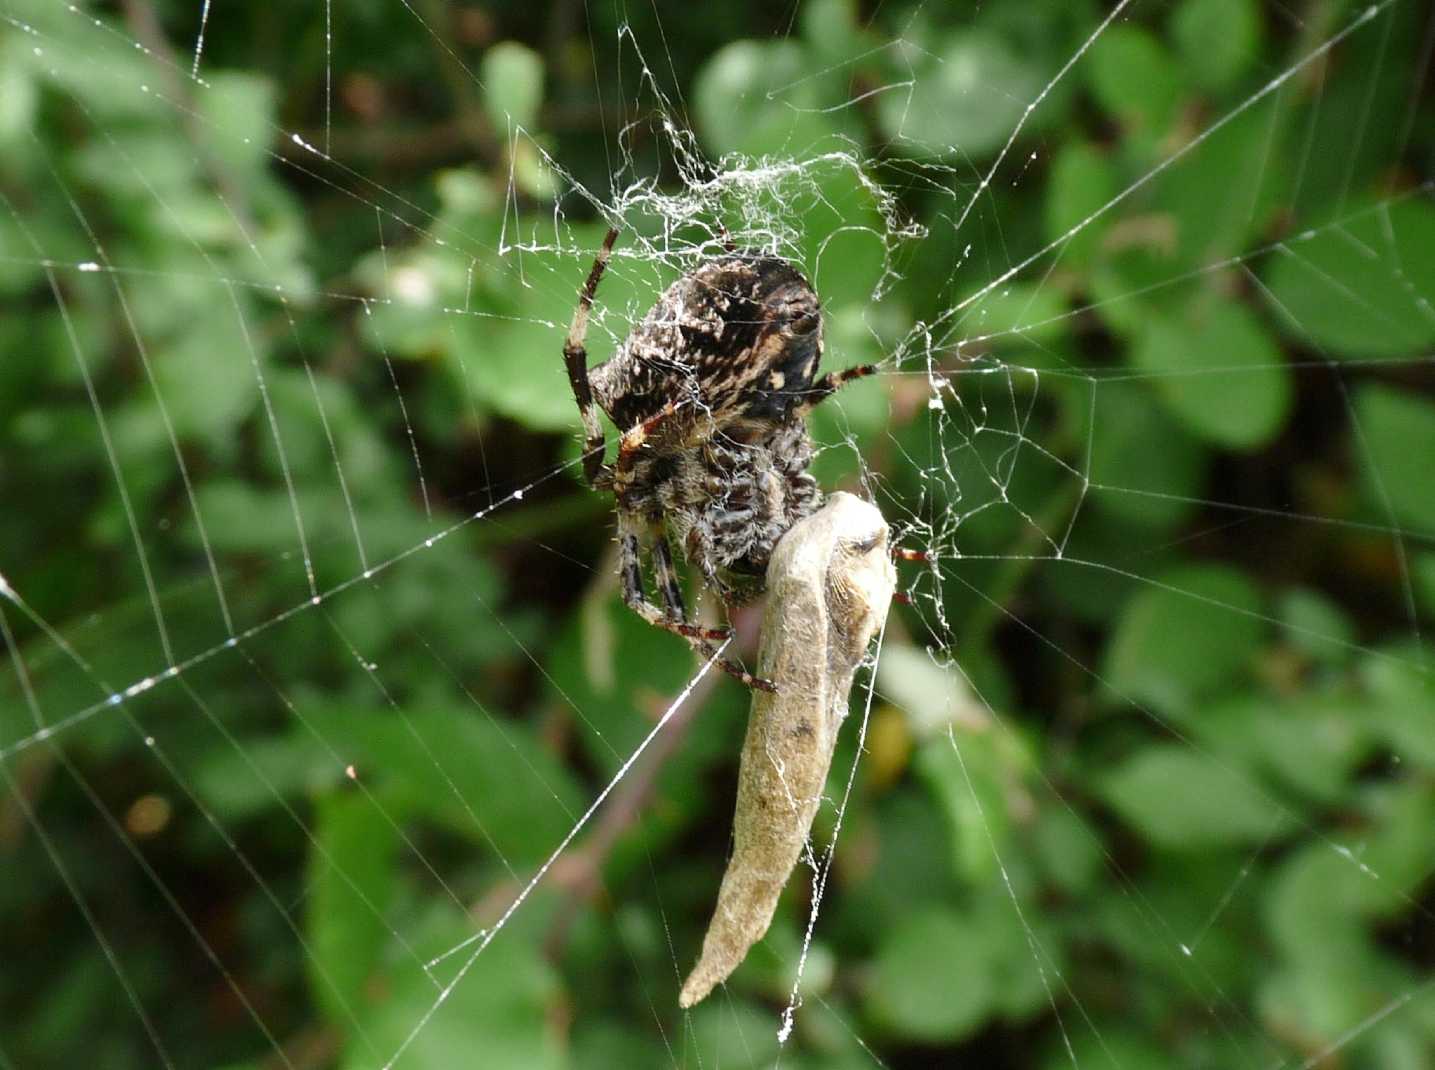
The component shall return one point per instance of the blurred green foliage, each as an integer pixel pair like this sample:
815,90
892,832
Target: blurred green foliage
1161,799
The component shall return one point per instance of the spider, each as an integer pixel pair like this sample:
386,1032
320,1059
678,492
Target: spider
711,392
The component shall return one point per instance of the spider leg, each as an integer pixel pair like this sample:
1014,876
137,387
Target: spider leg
634,439
736,671
673,602
671,618
629,563
668,585
829,384
575,357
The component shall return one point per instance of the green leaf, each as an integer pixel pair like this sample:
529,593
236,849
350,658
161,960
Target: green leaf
1134,79
240,517
603,1043
756,98
969,789
1131,278
502,1014
1020,977
931,981
1315,900
1218,199
1424,570
108,81
1327,1004
1131,481
1397,433
19,269
734,1034
966,100
911,843
976,777
863,409
1069,851
351,885
1182,800
1344,147
1112,1044
512,76
1080,182
1216,40
1315,625
289,765
476,776
931,696
1362,288
185,298
1020,316
830,26
207,380
508,353
1188,636
516,367
238,111
618,674
1311,745
1403,694
19,95
1219,372
843,236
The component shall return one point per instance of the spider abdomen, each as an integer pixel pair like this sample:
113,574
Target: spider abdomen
737,341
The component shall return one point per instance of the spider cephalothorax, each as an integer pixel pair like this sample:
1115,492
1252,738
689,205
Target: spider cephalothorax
711,392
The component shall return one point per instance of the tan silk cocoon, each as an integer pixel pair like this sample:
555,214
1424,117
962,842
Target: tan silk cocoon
829,585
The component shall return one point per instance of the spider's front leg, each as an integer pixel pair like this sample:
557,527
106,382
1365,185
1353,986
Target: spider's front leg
575,358
829,384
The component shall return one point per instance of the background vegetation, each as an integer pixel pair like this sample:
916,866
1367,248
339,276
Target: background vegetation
1171,804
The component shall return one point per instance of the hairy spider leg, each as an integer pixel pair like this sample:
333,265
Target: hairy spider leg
575,357
630,567
671,617
668,585
673,602
634,439
829,384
